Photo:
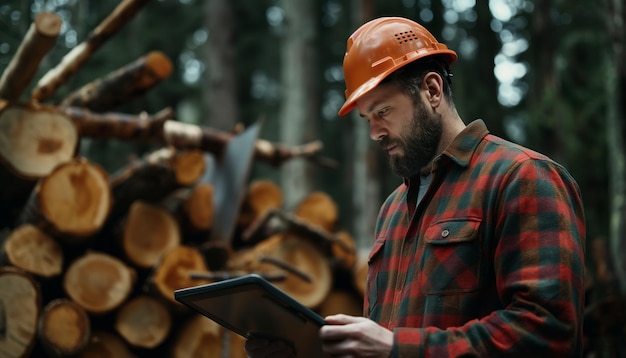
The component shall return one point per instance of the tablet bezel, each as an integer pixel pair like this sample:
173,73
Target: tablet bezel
252,306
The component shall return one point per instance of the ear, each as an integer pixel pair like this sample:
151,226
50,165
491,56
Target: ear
434,84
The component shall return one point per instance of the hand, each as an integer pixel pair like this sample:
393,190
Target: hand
348,336
265,348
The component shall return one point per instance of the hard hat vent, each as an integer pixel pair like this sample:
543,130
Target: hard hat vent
405,36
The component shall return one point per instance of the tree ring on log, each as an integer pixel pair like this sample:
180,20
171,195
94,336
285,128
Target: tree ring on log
76,198
34,141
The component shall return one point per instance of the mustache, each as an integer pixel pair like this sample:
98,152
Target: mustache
386,142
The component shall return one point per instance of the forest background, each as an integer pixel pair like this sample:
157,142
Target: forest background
546,74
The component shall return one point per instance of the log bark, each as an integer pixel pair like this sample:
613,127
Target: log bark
309,276
161,128
64,328
74,200
122,126
33,141
149,232
128,82
202,337
32,250
154,177
38,41
99,282
74,59
173,272
143,322
106,345
20,302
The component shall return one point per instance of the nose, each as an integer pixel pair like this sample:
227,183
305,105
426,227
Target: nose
377,130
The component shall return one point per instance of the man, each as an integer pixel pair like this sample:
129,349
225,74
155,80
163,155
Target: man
479,252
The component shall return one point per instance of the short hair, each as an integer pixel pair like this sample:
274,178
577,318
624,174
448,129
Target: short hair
410,76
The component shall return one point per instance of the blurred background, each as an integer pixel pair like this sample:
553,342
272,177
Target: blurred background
545,74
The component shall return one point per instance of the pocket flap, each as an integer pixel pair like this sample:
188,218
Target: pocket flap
376,248
453,230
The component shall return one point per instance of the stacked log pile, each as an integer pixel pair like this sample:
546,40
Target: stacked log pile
89,260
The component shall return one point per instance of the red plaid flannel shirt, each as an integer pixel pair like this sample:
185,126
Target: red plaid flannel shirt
489,264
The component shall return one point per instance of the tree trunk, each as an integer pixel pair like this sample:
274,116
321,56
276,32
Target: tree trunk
299,108
616,87
64,328
220,54
20,302
365,168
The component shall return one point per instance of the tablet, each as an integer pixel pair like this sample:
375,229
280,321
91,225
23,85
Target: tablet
252,306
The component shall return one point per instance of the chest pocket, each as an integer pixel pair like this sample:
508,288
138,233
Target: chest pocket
451,259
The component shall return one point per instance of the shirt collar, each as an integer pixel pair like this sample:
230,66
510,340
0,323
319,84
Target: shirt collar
465,143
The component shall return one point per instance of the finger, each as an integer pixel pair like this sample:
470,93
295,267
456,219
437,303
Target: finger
342,319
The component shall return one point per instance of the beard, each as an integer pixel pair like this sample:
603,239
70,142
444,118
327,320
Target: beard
419,145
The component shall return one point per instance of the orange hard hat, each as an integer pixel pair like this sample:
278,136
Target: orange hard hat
381,46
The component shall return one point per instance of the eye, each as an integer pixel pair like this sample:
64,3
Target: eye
382,112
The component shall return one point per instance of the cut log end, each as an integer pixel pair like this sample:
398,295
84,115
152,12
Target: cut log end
159,64
19,312
48,24
174,271
64,327
318,209
34,251
198,207
34,141
143,322
309,277
98,282
149,232
188,166
202,337
106,345
76,198
262,196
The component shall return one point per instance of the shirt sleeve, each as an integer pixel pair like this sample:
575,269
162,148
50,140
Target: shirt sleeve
539,269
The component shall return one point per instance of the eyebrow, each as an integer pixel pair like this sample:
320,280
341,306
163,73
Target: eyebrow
371,107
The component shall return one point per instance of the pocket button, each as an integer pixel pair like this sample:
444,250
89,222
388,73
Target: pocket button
445,233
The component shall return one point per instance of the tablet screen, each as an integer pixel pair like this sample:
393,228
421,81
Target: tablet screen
251,305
